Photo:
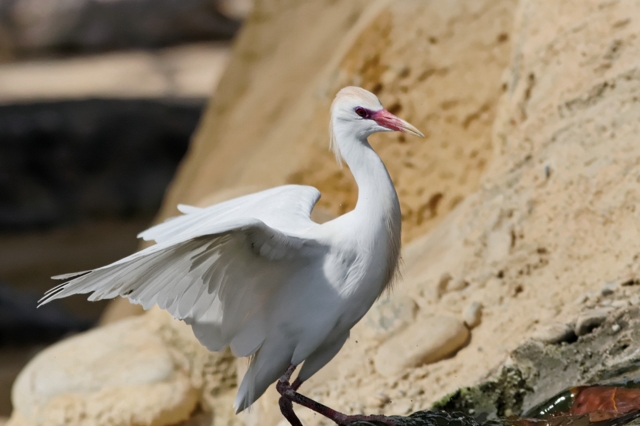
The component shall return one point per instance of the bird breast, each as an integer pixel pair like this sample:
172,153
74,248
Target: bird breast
363,261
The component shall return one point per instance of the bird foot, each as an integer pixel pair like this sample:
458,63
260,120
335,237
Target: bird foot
289,396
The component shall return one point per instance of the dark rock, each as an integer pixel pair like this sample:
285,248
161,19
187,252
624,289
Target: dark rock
93,25
537,371
590,320
430,418
497,398
64,162
442,418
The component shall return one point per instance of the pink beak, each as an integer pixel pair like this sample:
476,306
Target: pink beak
385,119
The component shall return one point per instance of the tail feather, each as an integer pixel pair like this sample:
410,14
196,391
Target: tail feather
265,368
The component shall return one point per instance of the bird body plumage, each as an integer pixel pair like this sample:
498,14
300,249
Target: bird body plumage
258,275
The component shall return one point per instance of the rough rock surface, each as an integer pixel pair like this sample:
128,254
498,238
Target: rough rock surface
128,373
536,371
437,67
554,218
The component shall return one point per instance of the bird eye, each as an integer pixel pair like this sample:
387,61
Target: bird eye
362,112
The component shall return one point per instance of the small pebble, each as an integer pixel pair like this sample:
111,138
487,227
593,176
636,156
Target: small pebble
590,320
415,391
413,347
608,289
615,328
554,333
582,299
378,400
456,285
620,303
473,314
442,283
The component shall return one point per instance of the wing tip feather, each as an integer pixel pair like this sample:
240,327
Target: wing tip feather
69,275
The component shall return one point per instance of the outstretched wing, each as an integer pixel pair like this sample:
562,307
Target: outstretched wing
216,268
286,208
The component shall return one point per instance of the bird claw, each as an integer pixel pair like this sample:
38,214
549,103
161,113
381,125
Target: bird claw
289,396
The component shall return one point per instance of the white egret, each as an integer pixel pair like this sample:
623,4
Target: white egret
258,275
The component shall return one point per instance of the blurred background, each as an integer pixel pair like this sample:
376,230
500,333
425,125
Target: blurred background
98,100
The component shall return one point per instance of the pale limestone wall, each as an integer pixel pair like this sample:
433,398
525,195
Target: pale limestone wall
535,134
555,221
436,65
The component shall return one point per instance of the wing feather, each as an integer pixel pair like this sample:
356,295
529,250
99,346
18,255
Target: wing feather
287,208
215,267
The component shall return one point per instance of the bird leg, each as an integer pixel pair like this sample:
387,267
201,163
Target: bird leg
286,406
296,384
289,395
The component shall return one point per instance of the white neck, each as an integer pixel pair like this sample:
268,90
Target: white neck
376,193
378,208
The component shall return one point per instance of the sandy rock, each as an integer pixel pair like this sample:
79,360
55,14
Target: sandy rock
443,283
118,310
620,304
140,371
437,88
123,373
456,284
427,341
554,333
608,289
378,400
473,314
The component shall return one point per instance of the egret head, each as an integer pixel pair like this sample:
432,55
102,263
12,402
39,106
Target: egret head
358,112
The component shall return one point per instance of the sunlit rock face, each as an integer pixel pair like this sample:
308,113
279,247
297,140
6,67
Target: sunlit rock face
523,194
437,66
127,373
